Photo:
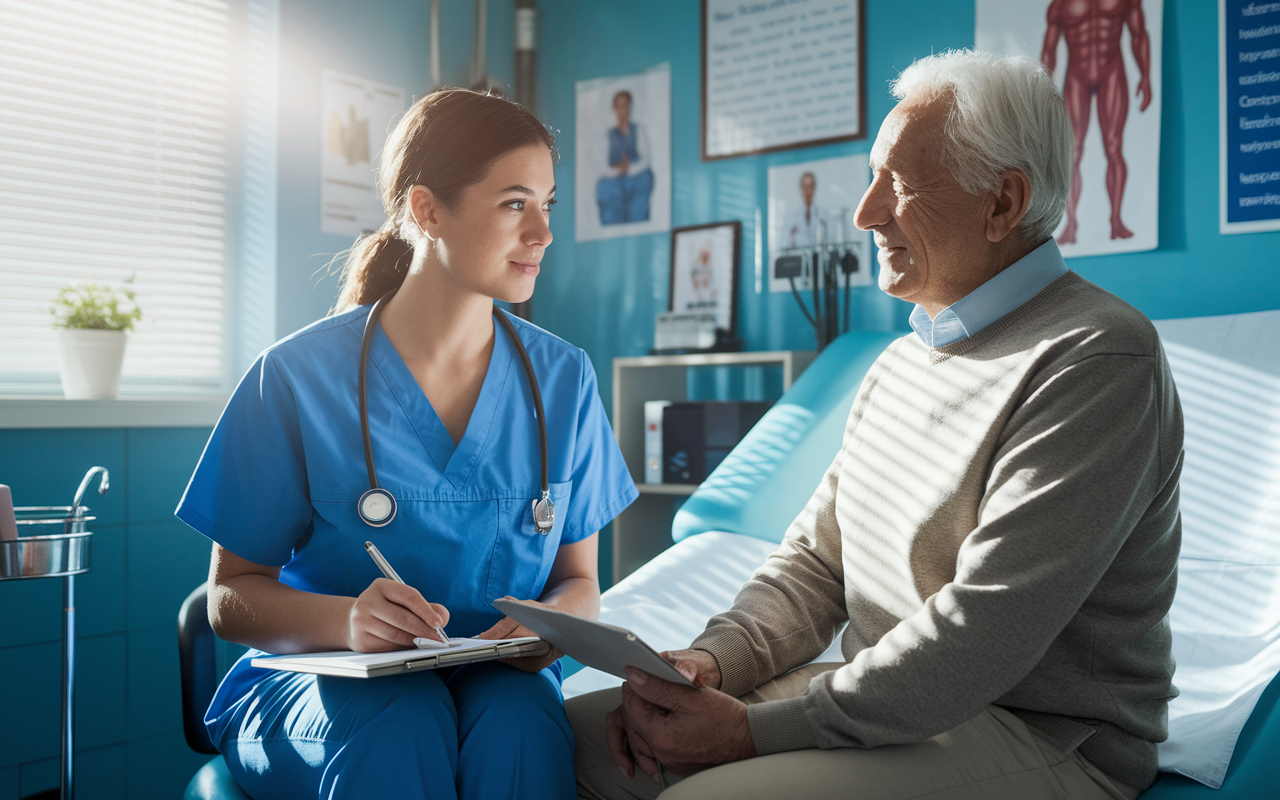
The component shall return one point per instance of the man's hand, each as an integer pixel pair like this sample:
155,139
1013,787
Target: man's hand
661,725
699,666
508,628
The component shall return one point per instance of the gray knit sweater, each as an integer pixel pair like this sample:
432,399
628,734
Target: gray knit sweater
1000,526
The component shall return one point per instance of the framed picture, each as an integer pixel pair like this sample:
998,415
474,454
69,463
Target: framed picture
780,75
811,208
704,272
622,175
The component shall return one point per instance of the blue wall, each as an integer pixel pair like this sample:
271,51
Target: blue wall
603,295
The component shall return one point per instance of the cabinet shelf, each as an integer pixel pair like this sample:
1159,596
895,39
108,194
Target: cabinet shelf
644,529
667,488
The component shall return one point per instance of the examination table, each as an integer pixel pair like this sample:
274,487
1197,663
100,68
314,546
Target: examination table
1225,725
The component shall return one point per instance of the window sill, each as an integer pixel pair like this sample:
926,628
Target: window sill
144,411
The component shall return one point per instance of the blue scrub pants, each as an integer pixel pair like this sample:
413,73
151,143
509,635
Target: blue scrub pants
624,198
478,731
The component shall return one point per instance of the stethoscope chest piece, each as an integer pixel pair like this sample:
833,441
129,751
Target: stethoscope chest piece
377,507
544,514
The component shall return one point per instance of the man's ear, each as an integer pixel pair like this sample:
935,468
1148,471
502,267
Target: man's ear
425,210
1009,203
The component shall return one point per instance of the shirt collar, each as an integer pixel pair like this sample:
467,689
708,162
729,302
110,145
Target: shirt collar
1013,286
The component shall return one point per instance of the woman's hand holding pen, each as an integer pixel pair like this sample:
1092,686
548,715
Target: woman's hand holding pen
508,628
390,615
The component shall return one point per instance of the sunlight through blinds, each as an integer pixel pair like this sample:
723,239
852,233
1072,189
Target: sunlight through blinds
113,160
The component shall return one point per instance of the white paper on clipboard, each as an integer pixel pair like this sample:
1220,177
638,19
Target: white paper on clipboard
607,648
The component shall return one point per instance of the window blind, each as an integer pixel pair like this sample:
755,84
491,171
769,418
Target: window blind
113,164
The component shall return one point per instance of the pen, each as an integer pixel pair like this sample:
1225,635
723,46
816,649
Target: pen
378,559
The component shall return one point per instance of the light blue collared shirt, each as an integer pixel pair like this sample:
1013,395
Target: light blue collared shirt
1015,285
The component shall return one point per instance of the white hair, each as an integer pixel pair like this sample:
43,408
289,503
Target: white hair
1006,113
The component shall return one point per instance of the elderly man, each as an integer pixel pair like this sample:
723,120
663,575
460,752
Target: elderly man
1000,528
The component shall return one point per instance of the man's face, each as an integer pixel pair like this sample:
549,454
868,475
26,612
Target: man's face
808,185
930,232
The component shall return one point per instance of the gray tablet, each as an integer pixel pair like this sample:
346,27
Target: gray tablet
607,648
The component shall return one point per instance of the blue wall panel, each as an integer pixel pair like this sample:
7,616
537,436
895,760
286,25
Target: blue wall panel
154,685
166,561
100,773
100,689
99,593
44,468
30,729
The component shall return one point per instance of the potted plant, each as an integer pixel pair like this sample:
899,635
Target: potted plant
90,326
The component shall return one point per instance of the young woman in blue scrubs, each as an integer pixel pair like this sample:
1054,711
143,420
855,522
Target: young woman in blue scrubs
467,180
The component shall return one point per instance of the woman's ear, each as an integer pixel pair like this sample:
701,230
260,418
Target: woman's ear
425,210
1010,202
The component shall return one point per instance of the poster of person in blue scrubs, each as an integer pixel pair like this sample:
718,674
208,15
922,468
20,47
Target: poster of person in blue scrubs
468,183
622,193
622,180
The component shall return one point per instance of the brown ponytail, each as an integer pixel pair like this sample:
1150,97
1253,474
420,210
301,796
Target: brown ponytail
446,141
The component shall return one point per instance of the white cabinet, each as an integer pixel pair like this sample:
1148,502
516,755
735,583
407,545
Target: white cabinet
644,529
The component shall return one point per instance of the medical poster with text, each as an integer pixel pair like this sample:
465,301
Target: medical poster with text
1249,119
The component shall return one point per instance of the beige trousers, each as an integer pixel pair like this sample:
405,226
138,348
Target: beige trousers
994,756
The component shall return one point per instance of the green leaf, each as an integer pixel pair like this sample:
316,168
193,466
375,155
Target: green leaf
88,306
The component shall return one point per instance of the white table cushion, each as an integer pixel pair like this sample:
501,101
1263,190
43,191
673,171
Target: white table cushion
1226,613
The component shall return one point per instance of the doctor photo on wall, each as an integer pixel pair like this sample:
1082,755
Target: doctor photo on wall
470,447
811,207
623,160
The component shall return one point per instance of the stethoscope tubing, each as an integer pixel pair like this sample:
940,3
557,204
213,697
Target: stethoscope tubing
543,509
363,384
537,398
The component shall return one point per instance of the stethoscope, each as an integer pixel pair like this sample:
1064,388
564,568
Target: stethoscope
377,507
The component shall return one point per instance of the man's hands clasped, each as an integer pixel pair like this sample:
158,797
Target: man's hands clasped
663,725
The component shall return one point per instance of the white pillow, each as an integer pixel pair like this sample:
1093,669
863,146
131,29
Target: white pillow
1226,613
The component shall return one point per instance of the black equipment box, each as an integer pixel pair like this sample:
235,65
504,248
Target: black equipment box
697,436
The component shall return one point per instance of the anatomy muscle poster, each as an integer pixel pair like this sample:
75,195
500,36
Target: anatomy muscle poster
1105,57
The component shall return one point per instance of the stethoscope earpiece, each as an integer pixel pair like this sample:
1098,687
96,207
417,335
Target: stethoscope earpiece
377,507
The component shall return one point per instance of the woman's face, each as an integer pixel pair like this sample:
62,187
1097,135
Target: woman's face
493,238
622,109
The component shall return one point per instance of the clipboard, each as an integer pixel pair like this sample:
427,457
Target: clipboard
605,647
346,664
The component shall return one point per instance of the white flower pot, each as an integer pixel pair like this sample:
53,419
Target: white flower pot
89,362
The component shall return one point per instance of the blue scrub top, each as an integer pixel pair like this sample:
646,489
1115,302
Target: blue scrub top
281,475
